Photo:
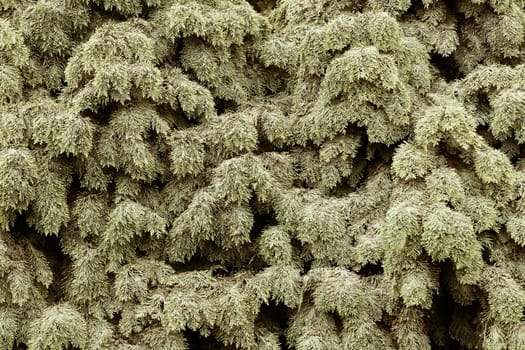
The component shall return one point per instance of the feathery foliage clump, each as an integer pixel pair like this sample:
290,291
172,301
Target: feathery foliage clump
275,174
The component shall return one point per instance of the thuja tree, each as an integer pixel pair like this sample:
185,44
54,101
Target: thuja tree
290,174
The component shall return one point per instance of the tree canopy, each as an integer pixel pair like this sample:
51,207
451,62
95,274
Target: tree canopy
275,174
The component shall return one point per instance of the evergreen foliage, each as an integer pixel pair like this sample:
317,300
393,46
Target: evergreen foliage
274,174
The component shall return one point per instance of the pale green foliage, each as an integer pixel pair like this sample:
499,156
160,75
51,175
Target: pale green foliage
448,234
130,8
27,275
75,139
177,194
505,17
8,328
311,330
212,20
132,280
234,224
508,109
195,303
90,281
275,246
159,338
351,67
90,214
411,162
122,143
225,71
372,95
195,100
49,26
281,283
196,220
14,128
115,63
14,57
447,121
504,319
434,28
233,174
366,336
195,300
238,134
515,226
219,212
127,220
58,327
49,209
419,285
445,185
231,183
341,291
400,233
408,328
214,33
18,177
187,155
374,38
314,221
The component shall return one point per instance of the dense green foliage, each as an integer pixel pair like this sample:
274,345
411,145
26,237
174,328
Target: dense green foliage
276,174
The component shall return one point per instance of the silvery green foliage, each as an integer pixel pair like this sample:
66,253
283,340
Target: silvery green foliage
274,174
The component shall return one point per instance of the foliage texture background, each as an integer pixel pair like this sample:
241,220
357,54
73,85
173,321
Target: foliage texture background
290,174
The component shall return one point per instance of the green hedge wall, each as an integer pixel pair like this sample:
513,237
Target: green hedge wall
278,174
